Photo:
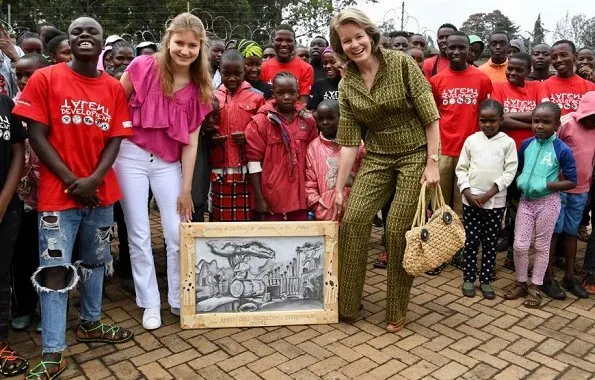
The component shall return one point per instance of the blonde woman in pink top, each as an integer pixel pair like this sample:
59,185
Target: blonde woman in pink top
169,95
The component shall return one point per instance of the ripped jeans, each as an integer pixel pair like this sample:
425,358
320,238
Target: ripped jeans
57,234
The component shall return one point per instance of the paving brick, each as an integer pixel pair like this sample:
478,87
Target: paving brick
275,335
274,374
244,373
458,357
302,336
153,371
175,343
95,369
430,356
288,350
208,360
466,344
543,373
402,355
512,372
547,361
267,362
418,370
248,334
358,367
179,358
356,339
230,346
147,341
576,374
325,366
237,361
305,374
203,345
576,362
183,371
124,354
151,356
257,347
315,350
481,371
344,352
492,360
386,370
125,370
214,373
383,340
329,337
450,371
411,342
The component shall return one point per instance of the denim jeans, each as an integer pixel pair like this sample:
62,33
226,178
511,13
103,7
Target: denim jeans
57,233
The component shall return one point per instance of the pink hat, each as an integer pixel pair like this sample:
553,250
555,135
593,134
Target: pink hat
327,50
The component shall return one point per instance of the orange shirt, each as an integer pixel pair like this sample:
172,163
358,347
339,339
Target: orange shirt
496,72
303,72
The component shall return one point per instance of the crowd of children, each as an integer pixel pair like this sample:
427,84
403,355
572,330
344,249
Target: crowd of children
244,132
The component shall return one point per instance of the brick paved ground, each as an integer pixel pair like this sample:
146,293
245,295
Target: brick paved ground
447,337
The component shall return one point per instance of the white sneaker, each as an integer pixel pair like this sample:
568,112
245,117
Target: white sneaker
152,318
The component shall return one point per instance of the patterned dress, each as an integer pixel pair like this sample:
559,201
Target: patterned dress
395,112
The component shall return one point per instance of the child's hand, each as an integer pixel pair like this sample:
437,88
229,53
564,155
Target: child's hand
239,138
262,206
473,200
218,140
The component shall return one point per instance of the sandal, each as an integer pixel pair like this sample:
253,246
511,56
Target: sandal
517,290
11,364
102,333
42,371
396,326
381,261
533,300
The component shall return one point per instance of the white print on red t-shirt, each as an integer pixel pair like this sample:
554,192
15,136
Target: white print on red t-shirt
83,112
4,128
566,101
516,105
459,96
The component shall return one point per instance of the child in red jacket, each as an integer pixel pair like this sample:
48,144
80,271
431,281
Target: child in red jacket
277,141
238,102
322,163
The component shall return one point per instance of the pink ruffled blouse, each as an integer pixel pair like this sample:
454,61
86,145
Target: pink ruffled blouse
162,125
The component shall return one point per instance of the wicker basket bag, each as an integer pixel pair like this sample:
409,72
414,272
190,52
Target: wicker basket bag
433,243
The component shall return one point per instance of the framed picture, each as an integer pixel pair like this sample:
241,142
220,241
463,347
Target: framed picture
258,274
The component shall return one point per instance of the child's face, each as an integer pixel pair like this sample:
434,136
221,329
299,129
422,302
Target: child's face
184,48
474,51
216,50
563,59
328,64
584,58
268,53
63,53
328,121
544,123
24,68
232,75
303,54
489,122
107,59
417,55
252,68
32,45
285,92
516,72
399,43
122,57
86,39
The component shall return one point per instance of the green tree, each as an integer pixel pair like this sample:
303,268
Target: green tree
538,35
577,28
484,25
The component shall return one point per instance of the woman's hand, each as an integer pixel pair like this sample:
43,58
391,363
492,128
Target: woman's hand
339,205
431,175
185,206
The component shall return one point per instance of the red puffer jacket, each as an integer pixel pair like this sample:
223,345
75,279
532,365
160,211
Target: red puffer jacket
280,146
235,112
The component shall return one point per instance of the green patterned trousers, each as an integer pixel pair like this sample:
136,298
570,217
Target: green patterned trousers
379,175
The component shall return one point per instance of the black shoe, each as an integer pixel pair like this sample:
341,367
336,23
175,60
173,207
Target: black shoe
553,290
377,221
574,287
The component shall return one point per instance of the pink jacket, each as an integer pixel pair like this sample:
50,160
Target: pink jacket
322,164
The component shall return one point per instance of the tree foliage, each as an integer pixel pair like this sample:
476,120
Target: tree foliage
538,35
484,24
577,28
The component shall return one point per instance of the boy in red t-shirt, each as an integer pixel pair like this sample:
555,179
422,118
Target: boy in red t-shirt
76,117
439,62
458,91
285,61
565,88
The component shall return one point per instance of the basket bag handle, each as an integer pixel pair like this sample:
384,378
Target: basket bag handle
436,202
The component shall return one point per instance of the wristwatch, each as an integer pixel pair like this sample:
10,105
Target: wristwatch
434,157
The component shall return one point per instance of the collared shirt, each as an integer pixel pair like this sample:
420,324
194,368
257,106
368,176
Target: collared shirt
496,72
395,111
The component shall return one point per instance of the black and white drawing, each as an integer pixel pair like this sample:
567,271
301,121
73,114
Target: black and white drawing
259,274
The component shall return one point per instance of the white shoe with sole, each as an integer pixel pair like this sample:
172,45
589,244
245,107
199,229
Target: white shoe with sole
152,318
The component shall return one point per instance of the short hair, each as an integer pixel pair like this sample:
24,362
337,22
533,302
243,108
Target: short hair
568,42
550,106
284,75
42,24
27,36
523,57
541,44
214,39
285,27
52,45
333,104
449,26
50,34
356,16
232,55
37,58
498,31
121,44
321,38
584,48
399,33
461,34
492,104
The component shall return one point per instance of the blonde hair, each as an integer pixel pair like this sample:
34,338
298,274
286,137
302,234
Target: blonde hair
200,72
354,16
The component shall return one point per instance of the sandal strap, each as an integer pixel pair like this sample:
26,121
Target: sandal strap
109,330
8,353
35,372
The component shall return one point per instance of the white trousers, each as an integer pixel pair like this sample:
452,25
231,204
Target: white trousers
137,169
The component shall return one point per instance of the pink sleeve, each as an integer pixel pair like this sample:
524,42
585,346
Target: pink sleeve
311,180
142,71
201,112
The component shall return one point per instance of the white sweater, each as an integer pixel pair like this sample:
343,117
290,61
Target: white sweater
485,162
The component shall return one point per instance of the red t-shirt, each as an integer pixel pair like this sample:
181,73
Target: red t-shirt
458,95
518,99
82,114
428,66
566,92
300,69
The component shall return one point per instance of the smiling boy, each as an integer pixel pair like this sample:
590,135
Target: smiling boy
77,117
286,61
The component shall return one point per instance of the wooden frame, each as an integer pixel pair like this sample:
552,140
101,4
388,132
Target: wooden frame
295,284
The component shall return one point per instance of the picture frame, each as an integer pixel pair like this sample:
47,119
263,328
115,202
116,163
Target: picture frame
246,274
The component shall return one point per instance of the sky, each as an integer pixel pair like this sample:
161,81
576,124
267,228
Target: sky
428,15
